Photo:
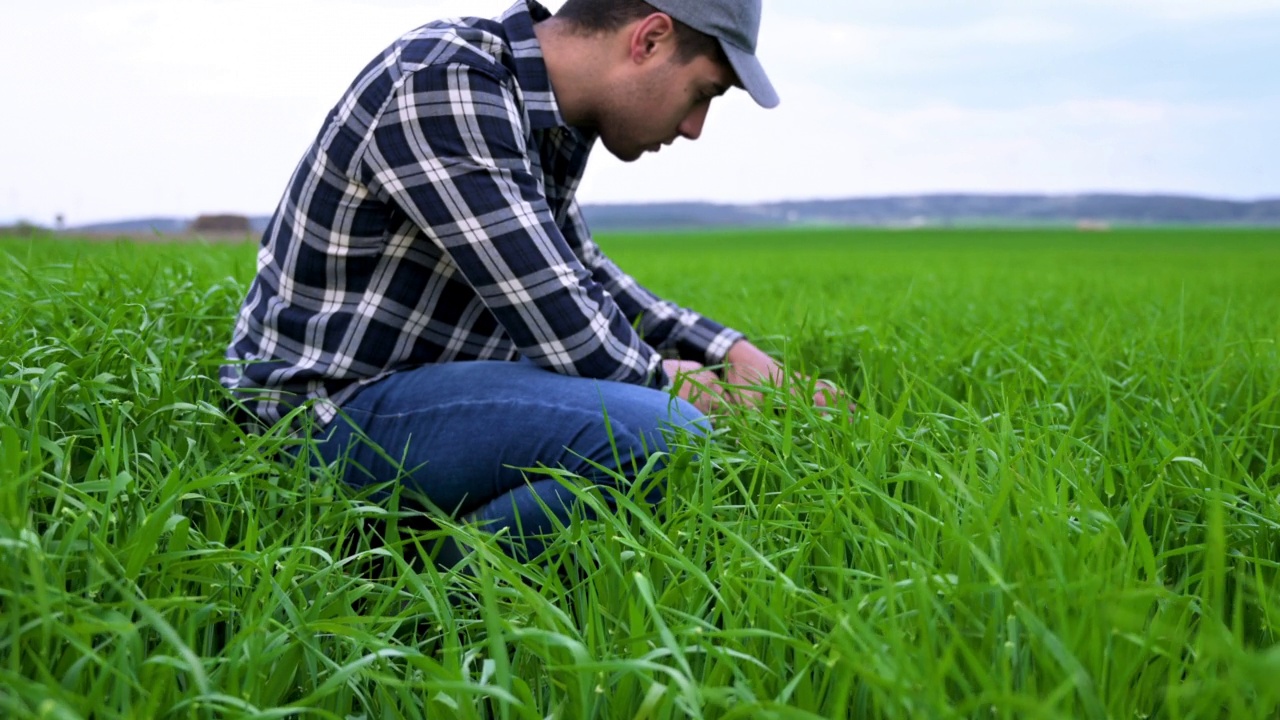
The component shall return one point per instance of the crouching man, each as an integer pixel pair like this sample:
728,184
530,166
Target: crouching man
429,285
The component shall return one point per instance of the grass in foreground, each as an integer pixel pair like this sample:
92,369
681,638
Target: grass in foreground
1059,499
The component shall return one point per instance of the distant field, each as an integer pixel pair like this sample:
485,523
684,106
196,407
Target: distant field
1060,498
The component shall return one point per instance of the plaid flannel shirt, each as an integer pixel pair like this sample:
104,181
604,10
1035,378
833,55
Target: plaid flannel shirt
433,220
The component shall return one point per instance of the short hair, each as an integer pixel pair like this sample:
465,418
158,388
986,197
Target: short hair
601,16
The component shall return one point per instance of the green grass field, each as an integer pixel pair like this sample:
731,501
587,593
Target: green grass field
1060,498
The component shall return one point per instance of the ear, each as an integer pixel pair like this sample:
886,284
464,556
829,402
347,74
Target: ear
651,37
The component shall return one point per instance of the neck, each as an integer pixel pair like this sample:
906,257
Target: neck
574,66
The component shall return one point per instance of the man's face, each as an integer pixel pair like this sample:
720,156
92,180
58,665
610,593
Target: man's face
660,102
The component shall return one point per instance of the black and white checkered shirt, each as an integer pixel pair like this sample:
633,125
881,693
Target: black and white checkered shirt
433,220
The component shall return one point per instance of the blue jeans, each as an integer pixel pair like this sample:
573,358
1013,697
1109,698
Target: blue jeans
461,434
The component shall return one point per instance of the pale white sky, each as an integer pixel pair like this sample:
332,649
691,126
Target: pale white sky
132,108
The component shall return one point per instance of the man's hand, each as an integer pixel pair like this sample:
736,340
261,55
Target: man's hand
747,366
693,382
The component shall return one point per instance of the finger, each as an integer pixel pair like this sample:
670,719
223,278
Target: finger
828,393
747,397
706,381
708,391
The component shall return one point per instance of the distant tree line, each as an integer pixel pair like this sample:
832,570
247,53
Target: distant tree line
23,228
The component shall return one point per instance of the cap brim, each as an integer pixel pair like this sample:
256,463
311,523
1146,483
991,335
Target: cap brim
752,76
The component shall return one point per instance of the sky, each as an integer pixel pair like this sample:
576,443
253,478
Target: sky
142,108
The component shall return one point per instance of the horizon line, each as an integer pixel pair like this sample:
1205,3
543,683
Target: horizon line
18,219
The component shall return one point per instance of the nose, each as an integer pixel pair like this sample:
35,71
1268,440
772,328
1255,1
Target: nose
691,127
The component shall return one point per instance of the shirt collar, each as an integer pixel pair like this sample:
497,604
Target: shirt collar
530,65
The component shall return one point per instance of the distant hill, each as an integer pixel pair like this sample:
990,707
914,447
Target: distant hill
894,211
161,225
945,210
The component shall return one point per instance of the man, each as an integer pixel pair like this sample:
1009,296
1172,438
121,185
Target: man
428,283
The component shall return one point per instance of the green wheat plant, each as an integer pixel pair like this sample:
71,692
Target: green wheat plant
1059,498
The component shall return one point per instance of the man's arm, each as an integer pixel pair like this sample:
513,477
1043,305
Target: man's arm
450,151
673,330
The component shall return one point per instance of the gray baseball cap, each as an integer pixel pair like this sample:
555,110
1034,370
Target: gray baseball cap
736,24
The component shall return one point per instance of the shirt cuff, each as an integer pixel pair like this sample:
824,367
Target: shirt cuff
668,384
658,378
708,340
724,341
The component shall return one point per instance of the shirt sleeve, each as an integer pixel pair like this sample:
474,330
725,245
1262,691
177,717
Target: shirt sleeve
672,329
449,150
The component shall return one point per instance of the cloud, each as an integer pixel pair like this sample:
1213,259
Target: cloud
921,13
797,46
145,107
139,107
848,148
240,48
1195,10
